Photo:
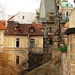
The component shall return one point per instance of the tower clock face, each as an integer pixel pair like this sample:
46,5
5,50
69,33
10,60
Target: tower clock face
1,16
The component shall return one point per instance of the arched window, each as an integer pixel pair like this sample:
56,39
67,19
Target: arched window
17,59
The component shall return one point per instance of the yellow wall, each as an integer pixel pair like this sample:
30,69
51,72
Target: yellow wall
22,51
23,58
10,41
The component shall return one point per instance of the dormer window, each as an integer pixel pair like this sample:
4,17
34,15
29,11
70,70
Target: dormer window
15,29
31,29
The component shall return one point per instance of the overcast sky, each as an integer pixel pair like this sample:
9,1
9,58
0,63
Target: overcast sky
15,6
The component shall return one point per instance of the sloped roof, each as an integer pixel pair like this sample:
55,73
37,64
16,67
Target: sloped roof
66,4
38,25
2,26
37,31
22,29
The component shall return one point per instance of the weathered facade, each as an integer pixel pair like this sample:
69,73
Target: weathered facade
71,44
21,40
55,29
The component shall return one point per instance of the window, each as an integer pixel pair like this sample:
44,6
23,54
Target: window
17,59
58,7
50,41
32,43
31,30
17,42
50,29
22,17
67,14
66,4
52,18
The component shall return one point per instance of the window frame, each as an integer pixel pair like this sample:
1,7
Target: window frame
33,44
17,60
16,42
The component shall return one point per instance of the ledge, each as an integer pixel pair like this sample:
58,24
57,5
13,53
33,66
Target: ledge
70,31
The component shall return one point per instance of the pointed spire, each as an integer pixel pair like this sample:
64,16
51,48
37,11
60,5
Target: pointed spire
46,6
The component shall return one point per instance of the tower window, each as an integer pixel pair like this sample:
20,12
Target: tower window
58,2
58,7
31,29
66,13
50,41
50,29
17,59
66,4
17,42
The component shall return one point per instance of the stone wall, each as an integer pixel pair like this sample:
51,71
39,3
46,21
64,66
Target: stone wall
64,61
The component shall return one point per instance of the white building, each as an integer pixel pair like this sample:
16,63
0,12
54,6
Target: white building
23,17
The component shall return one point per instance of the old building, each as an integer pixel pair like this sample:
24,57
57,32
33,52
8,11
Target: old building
2,29
23,17
62,7
45,7
20,41
66,8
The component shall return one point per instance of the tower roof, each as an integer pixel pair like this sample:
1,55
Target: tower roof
65,3
46,6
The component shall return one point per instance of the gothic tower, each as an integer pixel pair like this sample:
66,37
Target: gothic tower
58,2
45,7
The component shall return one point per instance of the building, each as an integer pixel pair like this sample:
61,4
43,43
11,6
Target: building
70,32
45,7
20,41
2,29
23,17
64,8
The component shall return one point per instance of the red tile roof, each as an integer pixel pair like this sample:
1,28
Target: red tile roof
38,25
2,25
22,29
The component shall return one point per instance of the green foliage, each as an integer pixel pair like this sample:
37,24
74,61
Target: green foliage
64,47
